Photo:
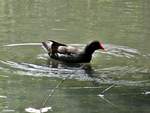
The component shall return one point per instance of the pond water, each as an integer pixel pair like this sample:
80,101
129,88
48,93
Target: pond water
116,81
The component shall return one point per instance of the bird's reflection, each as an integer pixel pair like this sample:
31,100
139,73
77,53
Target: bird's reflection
86,68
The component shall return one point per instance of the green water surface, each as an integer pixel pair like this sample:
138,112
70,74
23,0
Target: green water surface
116,81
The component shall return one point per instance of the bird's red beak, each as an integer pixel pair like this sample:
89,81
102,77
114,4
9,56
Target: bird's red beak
102,47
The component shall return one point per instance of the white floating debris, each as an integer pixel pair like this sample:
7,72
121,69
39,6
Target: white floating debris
101,95
58,29
8,110
41,110
1,96
147,93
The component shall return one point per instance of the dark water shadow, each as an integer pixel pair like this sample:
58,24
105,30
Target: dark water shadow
86,68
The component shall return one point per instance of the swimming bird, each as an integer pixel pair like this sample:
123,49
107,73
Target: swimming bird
70,54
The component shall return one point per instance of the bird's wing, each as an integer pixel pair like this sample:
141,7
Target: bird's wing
72,58
57,43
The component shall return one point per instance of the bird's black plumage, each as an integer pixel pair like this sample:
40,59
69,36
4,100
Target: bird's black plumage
69,54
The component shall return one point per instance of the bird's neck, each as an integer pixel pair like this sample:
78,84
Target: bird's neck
89,50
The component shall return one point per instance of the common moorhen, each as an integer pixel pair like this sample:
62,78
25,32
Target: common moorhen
70,54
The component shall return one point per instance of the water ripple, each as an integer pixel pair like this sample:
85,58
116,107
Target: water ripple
121,51
40,71
113,75
114,50
124,75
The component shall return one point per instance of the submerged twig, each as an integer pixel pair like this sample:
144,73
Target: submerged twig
106,100
107,88
101,95
53,91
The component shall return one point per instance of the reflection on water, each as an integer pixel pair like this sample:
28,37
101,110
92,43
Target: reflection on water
112,77
115,81
83,72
